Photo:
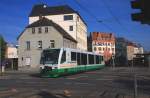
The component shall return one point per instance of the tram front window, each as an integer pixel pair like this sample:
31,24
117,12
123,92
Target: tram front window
51,56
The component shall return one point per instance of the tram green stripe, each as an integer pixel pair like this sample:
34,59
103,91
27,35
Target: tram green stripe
73,70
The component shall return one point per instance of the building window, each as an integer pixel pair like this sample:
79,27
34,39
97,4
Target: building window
52,44
73,56
70,28
33,30
68,17
112,49
46,29
40,44
40,30
63,58
99,48
94,48
28,45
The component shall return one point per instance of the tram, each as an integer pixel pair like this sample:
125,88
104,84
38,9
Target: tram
65,61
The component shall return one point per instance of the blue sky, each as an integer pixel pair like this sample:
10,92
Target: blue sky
115,14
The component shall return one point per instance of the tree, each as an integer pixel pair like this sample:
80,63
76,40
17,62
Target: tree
2,48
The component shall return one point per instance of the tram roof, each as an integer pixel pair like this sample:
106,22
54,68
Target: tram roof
75,50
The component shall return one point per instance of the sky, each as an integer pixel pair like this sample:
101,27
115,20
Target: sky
110,16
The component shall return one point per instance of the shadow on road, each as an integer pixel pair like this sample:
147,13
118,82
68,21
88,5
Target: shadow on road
45,94
36,75
142,85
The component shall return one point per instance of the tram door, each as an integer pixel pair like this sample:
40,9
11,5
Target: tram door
68,56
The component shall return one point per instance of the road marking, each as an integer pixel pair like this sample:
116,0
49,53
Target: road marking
68,83
105,79
78,83
77,77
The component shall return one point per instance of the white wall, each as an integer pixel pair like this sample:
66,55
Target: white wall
79,28
104,46
11,52
34,53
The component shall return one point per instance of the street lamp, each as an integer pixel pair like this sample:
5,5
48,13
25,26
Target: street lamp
113,59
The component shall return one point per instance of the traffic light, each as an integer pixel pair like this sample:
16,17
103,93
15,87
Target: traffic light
144,15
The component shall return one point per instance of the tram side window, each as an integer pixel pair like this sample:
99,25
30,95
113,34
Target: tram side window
78,59
73,56
100,59
63,58
97,59
91,59
83,59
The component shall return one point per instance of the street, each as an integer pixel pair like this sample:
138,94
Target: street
104,83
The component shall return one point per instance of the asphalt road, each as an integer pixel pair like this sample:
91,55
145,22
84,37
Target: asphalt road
104,83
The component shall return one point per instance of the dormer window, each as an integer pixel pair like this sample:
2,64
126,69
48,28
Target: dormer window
68,17
39,30
33,30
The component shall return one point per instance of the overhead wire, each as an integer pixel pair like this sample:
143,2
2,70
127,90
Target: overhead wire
92,15
115,18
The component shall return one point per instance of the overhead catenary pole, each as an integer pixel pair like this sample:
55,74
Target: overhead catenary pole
135,78
135,86
1,65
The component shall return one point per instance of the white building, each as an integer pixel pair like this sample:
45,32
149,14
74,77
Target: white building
138,49
67,18
11,51
103,43
40,35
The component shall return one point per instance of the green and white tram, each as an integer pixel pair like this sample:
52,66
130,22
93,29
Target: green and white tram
64,61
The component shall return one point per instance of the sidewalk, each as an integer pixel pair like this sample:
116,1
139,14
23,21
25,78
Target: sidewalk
20,74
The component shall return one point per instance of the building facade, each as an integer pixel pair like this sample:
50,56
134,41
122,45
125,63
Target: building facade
89,42
69,19
11,57
103,43
133,49
39,35
126,51
121,52
11,51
